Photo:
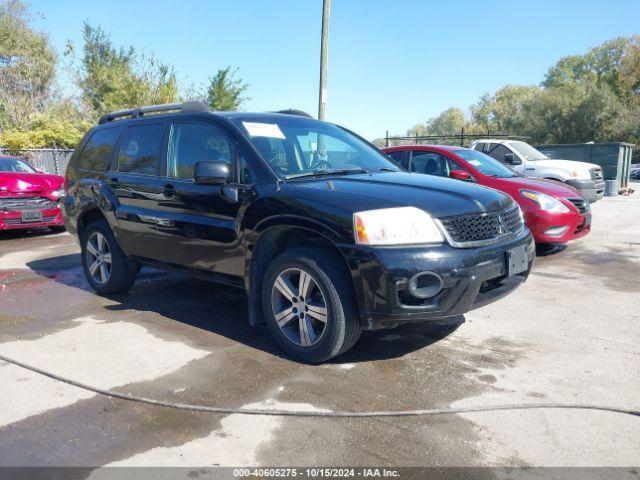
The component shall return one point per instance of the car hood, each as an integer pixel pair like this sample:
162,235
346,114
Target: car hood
28,183
568,165
441,197
550,187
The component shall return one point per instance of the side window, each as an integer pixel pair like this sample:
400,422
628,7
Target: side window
190,143
246,176
397,157
429,163
140,150
98,150
498,151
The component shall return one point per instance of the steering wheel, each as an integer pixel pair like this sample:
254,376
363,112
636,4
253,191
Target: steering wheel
321,164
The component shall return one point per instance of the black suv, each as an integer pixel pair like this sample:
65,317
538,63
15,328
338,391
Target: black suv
327,235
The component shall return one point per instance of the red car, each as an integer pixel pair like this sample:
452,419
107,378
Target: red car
28,198
553,211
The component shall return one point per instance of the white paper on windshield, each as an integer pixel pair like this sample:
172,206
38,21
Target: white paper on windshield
256,129
475,163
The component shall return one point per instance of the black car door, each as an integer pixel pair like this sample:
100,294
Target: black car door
135,181
197,224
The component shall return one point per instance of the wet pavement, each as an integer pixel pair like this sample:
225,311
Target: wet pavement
569,335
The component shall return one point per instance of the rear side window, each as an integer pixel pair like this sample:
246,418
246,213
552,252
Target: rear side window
98,150
140,150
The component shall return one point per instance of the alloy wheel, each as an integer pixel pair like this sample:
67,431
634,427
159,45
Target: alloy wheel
299,306
98,257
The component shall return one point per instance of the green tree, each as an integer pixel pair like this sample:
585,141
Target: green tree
225,92
116,78
27,67
507,111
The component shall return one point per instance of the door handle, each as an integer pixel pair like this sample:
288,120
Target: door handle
168,191
113,182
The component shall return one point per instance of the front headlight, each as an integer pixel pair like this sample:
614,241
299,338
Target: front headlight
395,226
545,202
58,193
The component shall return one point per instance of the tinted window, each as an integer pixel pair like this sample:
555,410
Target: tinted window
430,163
196,142
498,152
140,150
98,150
397,157
8,164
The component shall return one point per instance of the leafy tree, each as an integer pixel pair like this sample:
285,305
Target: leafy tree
27,67
116,78
225,92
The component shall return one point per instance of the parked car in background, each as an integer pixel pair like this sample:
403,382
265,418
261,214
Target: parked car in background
28,198
326,234
555,213
635,171
530,162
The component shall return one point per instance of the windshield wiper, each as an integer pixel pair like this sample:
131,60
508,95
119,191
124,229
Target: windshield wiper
319,172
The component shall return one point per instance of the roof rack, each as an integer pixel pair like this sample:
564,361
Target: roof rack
292,111
167,107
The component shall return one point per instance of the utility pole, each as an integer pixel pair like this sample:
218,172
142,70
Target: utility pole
324,53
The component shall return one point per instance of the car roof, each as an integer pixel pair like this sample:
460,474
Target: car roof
449,148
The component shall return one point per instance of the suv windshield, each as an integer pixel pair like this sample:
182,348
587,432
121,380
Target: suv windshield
527,151
485,164
14,165
300,147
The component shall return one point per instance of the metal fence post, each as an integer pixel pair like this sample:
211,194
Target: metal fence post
387,139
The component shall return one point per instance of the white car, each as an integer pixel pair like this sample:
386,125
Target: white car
530,162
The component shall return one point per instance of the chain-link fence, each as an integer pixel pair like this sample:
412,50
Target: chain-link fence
49,160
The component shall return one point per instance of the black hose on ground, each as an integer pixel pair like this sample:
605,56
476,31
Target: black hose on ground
303,413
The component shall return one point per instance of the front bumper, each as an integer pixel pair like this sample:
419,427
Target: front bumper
539,223
591,190
12,220
471,278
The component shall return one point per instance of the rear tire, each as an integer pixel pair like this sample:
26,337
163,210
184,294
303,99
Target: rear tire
105,266
308,303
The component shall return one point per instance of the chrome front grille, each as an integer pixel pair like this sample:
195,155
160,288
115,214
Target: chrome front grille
25,203
18,221
581,204
482,228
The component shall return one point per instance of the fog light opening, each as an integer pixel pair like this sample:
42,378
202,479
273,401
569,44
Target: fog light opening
556,231
425,285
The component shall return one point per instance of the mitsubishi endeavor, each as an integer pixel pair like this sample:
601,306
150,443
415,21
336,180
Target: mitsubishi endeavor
327,235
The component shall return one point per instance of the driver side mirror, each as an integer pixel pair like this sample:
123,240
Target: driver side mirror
460,175
511,159
211,173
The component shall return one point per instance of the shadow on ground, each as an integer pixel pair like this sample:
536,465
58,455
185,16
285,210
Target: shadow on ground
223,311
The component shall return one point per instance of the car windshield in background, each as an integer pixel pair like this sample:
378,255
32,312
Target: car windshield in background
300,147
14,165
485,164
527,151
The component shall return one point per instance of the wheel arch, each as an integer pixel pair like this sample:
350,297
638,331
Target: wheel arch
275,239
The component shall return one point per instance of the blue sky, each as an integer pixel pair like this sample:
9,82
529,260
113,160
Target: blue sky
392,64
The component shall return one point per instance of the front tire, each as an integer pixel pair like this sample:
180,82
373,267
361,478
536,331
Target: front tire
308,304
105,266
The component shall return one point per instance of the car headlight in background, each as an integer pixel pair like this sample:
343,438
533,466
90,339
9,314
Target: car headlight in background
545,202
395,226
58,193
